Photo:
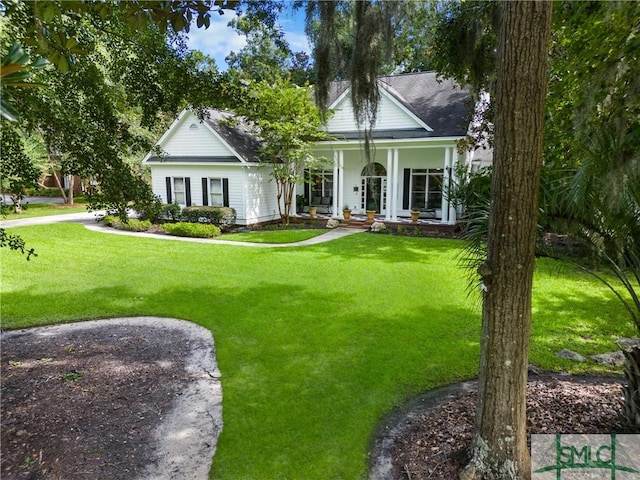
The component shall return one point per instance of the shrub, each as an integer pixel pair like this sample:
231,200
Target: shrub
185,229
214,215
170,211
133,225
150,209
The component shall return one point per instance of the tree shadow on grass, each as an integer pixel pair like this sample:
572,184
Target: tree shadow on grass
295,360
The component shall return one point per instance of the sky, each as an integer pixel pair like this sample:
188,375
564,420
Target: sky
219,40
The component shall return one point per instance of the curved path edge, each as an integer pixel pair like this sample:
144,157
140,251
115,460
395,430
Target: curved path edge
396,423
89,221
185,440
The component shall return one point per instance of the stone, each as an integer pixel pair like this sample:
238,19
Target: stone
570,355
611,359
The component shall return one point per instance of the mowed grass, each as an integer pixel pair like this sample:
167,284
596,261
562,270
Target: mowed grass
315,344
45,209
275,236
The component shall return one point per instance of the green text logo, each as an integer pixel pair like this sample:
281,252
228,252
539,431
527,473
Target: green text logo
564,457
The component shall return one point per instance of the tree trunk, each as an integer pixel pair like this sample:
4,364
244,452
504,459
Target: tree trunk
60,185
71,187
499,447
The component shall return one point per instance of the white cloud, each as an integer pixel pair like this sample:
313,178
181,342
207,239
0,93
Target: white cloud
298,41
218,40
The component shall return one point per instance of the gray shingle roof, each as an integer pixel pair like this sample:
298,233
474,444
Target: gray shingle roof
442,104
237,135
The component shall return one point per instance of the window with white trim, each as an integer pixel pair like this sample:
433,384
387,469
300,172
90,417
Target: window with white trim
426,189
179,191
216,192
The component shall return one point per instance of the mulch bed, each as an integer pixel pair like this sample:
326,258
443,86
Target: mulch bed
84,405
435,443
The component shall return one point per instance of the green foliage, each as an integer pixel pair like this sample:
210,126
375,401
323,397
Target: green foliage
287,122
195,230
47,24
132,225
150,208
316,377
213,215
17,172
170,211
471,192
15,72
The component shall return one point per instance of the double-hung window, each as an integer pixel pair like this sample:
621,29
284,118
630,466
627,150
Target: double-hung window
179,190
215,192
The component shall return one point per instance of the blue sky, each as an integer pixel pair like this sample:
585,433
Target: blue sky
219,40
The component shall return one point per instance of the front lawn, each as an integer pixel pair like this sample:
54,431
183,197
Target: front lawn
275,236
315,344
44,209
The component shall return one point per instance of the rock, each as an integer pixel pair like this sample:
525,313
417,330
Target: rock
570,355
612,359
627,343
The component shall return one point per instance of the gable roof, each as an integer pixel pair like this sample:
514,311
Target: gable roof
236,134
442,104
239,145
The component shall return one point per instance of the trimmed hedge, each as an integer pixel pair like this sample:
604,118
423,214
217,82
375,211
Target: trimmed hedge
214,215
197,230
170,211
133,225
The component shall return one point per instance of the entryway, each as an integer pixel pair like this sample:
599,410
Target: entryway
373,191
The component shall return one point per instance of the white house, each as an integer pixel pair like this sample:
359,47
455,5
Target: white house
414,153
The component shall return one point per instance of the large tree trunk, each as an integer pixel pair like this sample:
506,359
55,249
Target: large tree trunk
500,444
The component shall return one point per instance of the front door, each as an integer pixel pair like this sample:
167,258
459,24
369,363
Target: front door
373,191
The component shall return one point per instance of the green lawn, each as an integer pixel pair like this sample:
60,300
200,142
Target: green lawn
275,236
45,209
315,344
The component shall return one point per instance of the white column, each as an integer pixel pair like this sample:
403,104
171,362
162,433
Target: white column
445,181
293,211
454,163
396,161
336,162
390,183
340,199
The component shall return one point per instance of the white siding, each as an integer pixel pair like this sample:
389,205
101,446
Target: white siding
260,194
235,175
390,117
198,140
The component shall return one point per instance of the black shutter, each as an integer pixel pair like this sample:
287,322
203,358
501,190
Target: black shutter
405,193
168,181
205,191
225,192
187,190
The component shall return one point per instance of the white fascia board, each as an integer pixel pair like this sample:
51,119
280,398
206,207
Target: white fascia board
340,97
165,134
357,143
174,125
390,97
405,109
227,146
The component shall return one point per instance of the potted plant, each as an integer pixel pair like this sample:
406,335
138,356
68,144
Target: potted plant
313,211
415,213
371,214
346,212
